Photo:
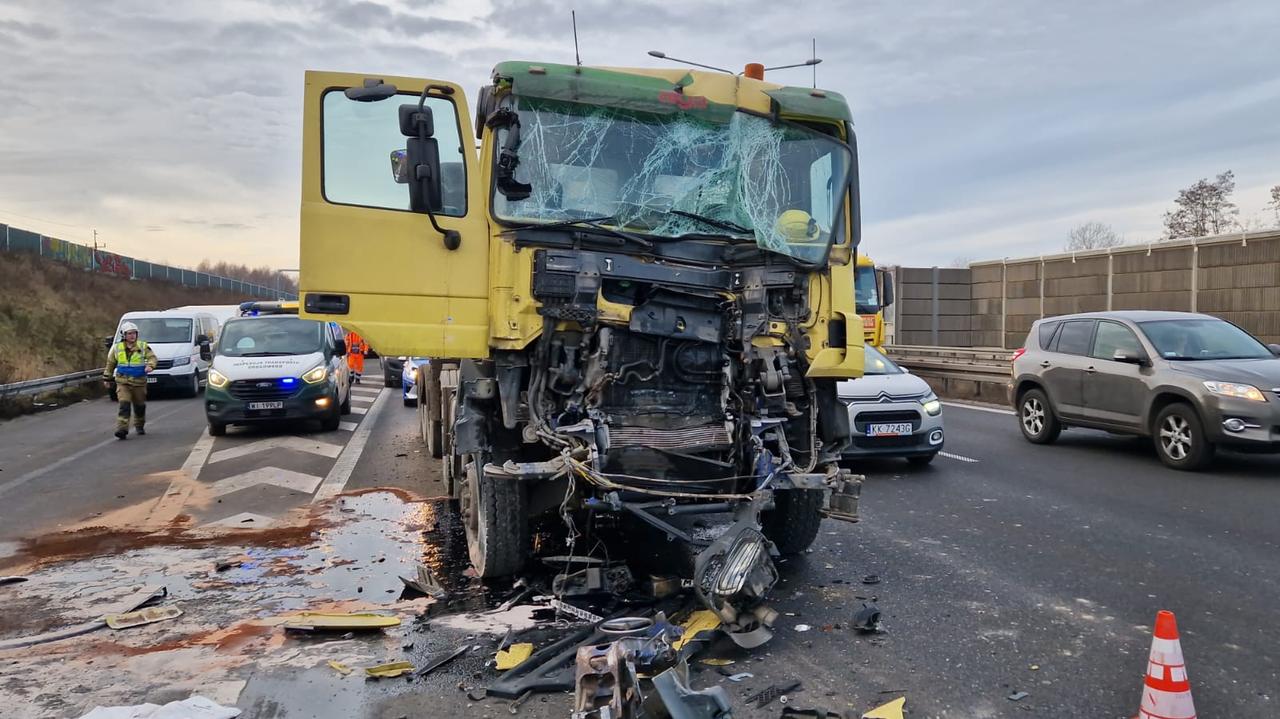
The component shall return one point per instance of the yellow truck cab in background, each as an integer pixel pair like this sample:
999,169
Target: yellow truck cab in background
629,293
873,292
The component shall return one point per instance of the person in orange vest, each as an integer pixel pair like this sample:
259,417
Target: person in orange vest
356,348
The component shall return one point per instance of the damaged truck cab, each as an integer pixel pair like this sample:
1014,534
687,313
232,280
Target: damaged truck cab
636,294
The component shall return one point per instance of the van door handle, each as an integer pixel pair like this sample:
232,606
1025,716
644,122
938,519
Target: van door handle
1090,369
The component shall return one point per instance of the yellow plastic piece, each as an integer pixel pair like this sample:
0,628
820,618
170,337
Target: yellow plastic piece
387,671
716,662
703,620
339,667
513,656
142,616
320,621
892,710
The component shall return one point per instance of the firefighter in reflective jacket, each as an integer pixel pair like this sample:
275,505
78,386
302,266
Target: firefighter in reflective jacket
128,364
356,348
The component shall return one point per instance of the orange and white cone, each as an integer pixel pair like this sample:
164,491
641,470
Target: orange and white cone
1167,691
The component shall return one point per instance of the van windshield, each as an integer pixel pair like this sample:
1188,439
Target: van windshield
271,336
159,330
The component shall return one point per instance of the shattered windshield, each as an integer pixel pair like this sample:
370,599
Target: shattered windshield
667,175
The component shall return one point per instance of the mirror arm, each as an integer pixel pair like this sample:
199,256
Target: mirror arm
452,238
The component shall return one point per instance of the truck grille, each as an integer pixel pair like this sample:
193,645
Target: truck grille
862,419
263,389
714,436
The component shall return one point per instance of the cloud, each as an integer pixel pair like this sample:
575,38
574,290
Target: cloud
985,128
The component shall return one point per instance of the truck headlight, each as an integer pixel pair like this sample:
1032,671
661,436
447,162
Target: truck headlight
316,374
217,379
180,361
932,405
1233,389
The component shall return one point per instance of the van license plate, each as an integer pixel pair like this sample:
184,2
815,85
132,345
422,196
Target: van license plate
266,405
151,380
896,429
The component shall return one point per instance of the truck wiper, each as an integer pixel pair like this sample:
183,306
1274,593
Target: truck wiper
585,223
718,224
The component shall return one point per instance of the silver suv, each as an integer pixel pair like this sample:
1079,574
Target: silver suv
1190,381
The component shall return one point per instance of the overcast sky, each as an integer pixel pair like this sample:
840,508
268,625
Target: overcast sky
986,128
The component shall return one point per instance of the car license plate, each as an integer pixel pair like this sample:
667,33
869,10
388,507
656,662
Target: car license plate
151,380
897,429
266,405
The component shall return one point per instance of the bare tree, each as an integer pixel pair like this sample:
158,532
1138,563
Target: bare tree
961,263
1275,203
1205,208
264,276
1092,236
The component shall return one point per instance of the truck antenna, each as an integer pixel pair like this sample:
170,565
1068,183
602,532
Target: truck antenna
815,65
573,15
663,56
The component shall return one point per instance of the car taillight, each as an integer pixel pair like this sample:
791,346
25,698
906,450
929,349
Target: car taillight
1018,353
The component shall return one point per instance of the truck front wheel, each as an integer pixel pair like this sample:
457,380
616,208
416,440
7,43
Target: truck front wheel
495,516
793,523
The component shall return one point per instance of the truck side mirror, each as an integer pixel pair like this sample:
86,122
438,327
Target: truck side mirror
422,158
340,348
206,351
886,289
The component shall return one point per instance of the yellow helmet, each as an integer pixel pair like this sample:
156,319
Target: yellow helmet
797,226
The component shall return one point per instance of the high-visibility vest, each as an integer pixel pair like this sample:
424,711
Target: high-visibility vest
131,365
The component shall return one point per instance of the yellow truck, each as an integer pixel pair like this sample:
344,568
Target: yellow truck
632,295
873,292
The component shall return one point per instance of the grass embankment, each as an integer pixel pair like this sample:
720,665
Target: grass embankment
53,317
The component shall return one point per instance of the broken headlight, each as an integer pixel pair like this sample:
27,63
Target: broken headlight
733,575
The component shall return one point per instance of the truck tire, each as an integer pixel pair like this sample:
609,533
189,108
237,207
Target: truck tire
217,429
792,524
495,517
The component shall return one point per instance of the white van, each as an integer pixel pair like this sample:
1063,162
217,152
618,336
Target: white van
179,338
221,313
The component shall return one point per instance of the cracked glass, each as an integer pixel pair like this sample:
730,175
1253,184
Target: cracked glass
778,185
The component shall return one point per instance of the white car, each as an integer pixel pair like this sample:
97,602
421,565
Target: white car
892,413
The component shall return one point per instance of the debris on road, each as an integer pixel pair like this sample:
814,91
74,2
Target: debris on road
703,620
606,685
513,656
339,622
389,670
1017,696
12,580
868,618
871,579
223,565
797,713
766,697
140,599
571,610
682,702
142,616
339,667
740,676
436,664
195,707
803,627
892,710
426,583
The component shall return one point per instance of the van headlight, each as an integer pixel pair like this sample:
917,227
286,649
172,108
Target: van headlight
1233,389
316,374
180,361
217,379
932,405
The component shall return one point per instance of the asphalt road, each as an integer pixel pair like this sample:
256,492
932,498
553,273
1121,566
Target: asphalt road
1003,568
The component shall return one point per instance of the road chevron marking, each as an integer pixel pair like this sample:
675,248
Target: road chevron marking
959,457
296,481
355,398
347,426
359,410
301,444
337,479
175,496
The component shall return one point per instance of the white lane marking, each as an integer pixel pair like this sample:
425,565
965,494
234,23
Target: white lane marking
364,400
300,444
175,496
243,520
337,479
347,426
296,481
980,408
359,410
37,473
959,457
373,391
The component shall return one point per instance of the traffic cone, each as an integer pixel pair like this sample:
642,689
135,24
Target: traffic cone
1166,693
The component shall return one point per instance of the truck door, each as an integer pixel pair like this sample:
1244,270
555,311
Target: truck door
407,271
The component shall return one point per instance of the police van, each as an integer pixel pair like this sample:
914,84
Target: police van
181,340
270,365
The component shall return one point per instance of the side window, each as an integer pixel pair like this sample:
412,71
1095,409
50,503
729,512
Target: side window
1113,336
1046,333
360,142
1075,337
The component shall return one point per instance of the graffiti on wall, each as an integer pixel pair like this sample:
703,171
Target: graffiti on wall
64,251
112,264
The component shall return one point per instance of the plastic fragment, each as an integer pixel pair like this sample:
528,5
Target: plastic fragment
387,671
892,710
703,620
740,676
803,627
339,667
513,656
1017,696
149,615
353,621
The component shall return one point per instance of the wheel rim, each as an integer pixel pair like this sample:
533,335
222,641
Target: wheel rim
469,506
1033,416
1175,437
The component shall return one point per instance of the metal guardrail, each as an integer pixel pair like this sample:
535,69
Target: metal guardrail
978,364
49,384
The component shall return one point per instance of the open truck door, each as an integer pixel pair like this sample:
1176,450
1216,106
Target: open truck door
394,241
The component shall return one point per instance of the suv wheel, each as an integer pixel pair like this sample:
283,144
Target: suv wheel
1180,440
1036,418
